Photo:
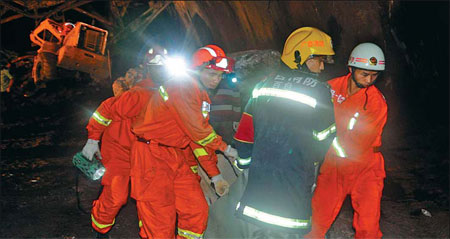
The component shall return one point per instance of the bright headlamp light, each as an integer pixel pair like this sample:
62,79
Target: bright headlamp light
175,66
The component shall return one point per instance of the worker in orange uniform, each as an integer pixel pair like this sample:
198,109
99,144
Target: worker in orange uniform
358,167
117,138
111,123
162,182
66,28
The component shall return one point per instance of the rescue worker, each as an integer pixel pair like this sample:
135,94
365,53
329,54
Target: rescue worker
286,127
132,76
116,136
162,182
194,154
226,107
111,123
224,118
119,86
7,80
66,28
357,169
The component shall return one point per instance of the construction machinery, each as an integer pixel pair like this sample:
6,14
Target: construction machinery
80,47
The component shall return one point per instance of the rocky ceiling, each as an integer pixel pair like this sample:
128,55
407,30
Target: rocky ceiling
247,25
235,25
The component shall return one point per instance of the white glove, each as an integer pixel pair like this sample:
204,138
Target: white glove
231,153
220,185
90,149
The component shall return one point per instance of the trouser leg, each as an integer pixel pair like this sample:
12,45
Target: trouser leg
191,206
106,207
152,187
155,221
326,203
366,197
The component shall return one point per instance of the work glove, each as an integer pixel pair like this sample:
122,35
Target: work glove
220,185
231,153
90,149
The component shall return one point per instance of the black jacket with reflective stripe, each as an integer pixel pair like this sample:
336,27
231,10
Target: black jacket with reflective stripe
286,108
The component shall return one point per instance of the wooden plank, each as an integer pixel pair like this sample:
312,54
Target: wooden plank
61,8
116,13
124,8
152,17
11,18
58,8
19,2
78,4
95,16
141,22
16,10
67,6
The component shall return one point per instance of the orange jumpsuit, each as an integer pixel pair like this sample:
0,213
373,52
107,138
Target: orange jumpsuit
358,169
196,155
160,176
111,123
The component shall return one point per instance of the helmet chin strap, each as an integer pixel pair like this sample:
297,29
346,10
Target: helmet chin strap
305,68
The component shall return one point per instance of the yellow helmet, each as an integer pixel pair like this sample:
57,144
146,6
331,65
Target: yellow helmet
308,41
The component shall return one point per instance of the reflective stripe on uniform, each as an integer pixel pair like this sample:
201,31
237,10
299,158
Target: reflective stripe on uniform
275,220
100,119
338,148
189,234
208,139
163,93
287,94
200,152
206,108
229,92
237,166
140,223
352,121
324,133
245,162
99,225
243,141
194,169
225,107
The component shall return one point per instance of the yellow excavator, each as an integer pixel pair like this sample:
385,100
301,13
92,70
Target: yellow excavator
75,47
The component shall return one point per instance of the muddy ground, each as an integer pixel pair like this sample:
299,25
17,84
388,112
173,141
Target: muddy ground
40,134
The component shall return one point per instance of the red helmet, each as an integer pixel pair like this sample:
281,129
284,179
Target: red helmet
214,58
155,55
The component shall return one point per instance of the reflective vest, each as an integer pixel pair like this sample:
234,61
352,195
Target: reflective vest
287,125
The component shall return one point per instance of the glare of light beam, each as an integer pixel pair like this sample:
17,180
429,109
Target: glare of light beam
175,66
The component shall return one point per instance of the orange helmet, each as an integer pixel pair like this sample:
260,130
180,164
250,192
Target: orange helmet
212,57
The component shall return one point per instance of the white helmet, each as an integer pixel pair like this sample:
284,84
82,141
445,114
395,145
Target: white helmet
367,56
